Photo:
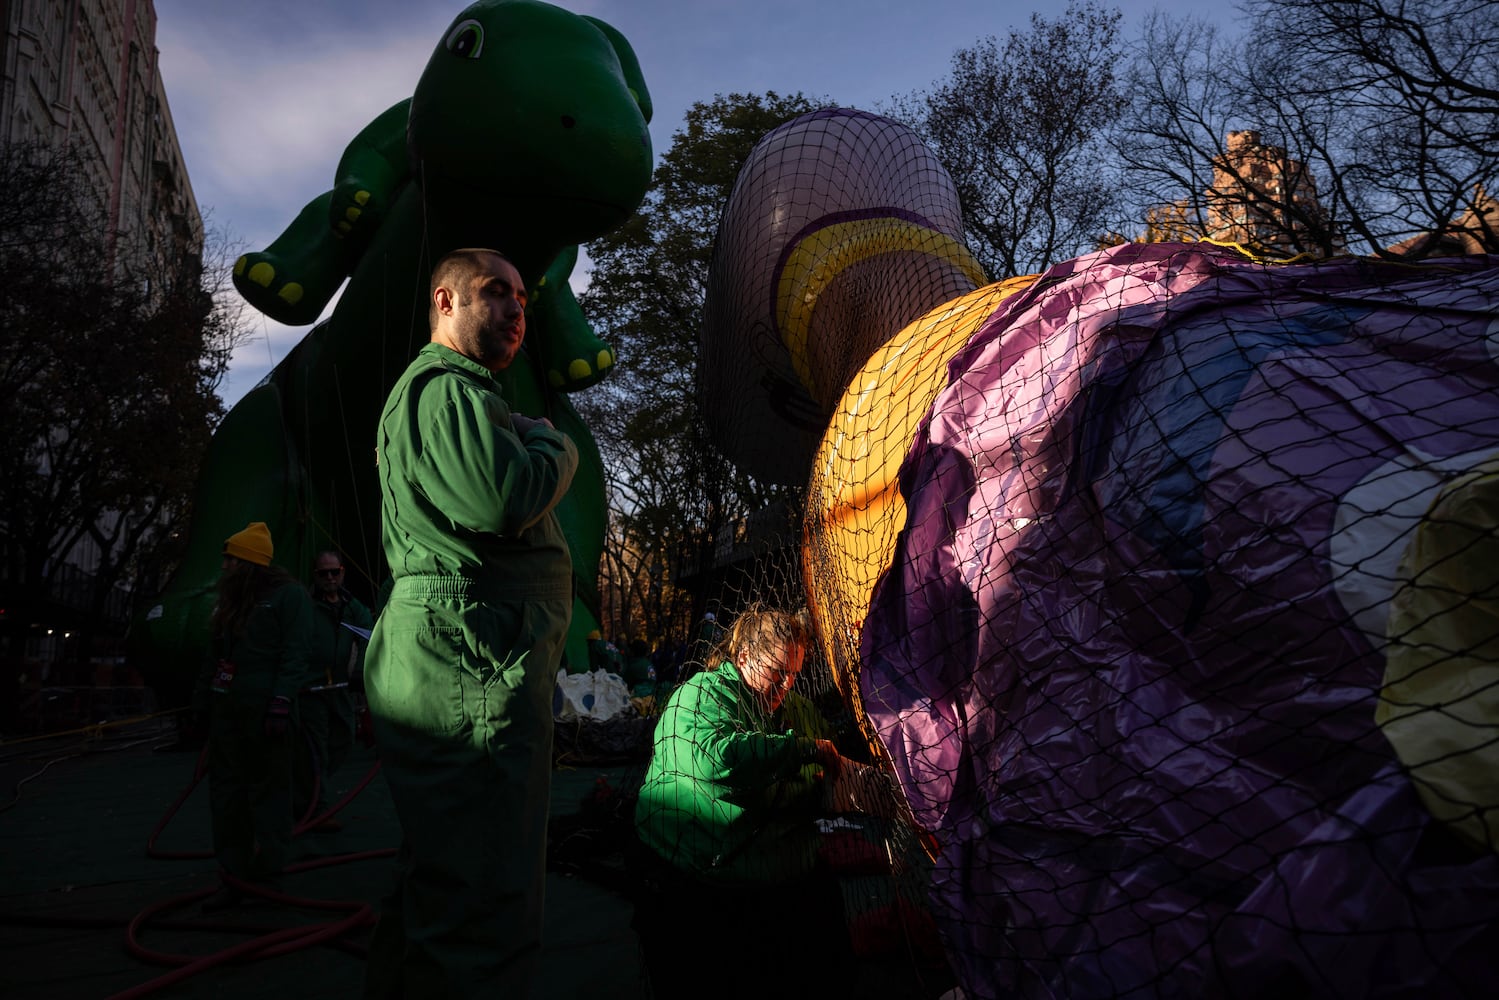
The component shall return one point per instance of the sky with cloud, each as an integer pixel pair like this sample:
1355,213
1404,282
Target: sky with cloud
265,95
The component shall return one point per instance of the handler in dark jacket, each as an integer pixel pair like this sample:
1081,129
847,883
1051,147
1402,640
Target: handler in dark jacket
327,708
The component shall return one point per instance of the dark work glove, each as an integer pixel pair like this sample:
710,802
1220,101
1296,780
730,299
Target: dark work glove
825,753
278,717
862,788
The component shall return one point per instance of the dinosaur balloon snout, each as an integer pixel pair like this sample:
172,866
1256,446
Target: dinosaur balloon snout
482,122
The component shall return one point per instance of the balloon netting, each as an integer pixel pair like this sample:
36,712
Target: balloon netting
1174,614
1161,585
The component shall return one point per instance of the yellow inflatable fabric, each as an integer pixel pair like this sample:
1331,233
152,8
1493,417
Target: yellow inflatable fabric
1439,706
854,507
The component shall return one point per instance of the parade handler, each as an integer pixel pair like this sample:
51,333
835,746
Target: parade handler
461,665
261,636
327,709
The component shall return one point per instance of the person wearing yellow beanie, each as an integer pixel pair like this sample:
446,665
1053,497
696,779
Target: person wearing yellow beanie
261,634
253,544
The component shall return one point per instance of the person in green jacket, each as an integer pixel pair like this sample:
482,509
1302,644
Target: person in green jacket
261,631
639,673
730,802
463,659
326,710
730,795
603,654
710,634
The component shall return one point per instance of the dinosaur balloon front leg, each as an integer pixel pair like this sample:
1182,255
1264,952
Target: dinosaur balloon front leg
295,278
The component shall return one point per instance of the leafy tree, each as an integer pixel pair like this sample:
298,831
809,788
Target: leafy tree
1383,116
672,492
1024,127
110,355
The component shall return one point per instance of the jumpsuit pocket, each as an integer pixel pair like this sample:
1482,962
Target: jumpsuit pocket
515,651
511,671
498,637
413,677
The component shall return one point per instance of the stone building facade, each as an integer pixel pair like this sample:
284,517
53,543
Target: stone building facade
84,73
1258,197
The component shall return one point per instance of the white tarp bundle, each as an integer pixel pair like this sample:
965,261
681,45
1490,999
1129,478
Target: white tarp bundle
597,694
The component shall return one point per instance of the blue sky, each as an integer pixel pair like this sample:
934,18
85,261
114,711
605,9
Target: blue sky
265,95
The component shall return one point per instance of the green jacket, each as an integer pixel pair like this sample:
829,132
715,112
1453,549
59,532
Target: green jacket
462,495
337,653
639,671
272,657
604,655
729,795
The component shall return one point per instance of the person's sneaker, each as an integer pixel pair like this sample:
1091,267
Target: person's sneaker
226,898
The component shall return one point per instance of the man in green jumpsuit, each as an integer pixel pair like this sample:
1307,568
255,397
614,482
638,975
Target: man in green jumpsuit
462,663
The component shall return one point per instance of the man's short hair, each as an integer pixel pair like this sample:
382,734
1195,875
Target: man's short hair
454,269
325,553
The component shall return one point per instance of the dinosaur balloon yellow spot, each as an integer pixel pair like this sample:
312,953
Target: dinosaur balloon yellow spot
578,368
263,274
291,294
363,197
605,359
555,379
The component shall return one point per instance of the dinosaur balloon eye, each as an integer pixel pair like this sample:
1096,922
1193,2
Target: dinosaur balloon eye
466,39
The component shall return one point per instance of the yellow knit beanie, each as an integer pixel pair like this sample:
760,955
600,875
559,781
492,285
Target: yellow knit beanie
252,545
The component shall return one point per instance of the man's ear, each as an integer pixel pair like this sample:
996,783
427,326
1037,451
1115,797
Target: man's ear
443,299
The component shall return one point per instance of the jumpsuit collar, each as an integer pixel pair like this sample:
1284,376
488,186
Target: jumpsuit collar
453,359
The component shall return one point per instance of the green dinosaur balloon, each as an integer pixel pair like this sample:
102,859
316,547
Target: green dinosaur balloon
526,133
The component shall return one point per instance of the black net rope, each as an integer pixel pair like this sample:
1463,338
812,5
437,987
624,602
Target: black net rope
1160,590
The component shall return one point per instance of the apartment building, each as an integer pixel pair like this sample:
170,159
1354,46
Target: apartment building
85,73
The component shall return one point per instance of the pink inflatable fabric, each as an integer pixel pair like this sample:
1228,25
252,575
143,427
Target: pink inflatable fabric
1127,654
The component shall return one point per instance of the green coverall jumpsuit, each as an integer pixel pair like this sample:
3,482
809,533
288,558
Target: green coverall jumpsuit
249,773
459,676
